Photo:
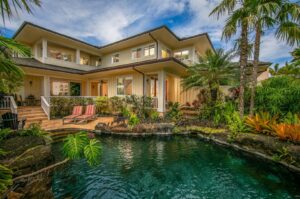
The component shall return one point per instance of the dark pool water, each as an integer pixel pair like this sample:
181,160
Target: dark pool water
172,167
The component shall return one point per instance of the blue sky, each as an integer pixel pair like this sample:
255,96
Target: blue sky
101,22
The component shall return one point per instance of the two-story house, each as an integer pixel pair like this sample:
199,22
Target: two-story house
151,63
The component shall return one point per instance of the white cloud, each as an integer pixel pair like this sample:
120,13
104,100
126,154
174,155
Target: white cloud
109,20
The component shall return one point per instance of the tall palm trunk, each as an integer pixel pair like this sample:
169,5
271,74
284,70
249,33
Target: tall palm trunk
255,66
243,64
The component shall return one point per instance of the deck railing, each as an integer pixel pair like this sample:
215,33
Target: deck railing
8,102
45,106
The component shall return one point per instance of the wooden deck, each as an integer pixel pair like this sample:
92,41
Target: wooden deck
51,125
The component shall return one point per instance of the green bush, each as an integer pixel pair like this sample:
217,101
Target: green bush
133,120
141,106
278,96
235,124
4,133
33,130
154,115
102,105
116,104
174,113
5,178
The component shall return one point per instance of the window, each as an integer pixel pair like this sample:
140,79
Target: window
60,88
124,86
182,55
115,58
58,54
136,53
75,89
149,50
165,53
65,88
84,61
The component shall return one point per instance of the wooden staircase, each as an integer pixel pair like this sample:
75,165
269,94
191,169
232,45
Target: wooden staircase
33,114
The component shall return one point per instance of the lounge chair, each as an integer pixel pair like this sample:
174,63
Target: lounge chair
90,114
77,111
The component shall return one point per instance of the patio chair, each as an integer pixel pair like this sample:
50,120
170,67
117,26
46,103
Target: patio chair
10,120
90,114
77,111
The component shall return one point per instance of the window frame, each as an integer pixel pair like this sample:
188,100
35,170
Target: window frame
115,56
181,54
148,48
123,86
135,50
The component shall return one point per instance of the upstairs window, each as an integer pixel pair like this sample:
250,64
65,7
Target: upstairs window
58,54
84,61
182,55
115,58
165,53
124,86
149,50
136,53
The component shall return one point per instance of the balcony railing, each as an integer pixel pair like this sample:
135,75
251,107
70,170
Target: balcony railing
8,102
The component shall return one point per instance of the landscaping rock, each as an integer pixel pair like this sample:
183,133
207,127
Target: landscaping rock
14,195
18,144
31,160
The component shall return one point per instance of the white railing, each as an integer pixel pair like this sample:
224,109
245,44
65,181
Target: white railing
8,102
45,106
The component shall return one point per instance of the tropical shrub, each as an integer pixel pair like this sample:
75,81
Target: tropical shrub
235,125
125,112
133,120
154,116
289,132
5,178
116,104
291,118
261,123
33,130
278,96
142,106
4,133
102,105
80,146
174,112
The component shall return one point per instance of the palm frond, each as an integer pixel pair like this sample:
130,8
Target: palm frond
5,178
74,145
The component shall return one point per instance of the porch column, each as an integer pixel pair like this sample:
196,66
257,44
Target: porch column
161,91
46,86
44,49
88,88
77,56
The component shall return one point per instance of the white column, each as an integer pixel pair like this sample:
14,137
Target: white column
161,91
46,86
88,88
77,56
44,49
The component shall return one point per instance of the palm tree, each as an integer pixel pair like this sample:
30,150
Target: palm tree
9,47
267,14
296,57
7,5
239,17
212,69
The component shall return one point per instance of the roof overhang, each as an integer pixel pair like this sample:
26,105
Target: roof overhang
29,33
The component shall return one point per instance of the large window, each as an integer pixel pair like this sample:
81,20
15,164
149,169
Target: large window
182,55
165,53
136,53
65,88
60,88
149,50
124,86
115,58
61,53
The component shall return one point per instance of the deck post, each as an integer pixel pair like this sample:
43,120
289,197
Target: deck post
44,49
46,86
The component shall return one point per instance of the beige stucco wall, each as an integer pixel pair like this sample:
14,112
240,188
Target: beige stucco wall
35,88
125,56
